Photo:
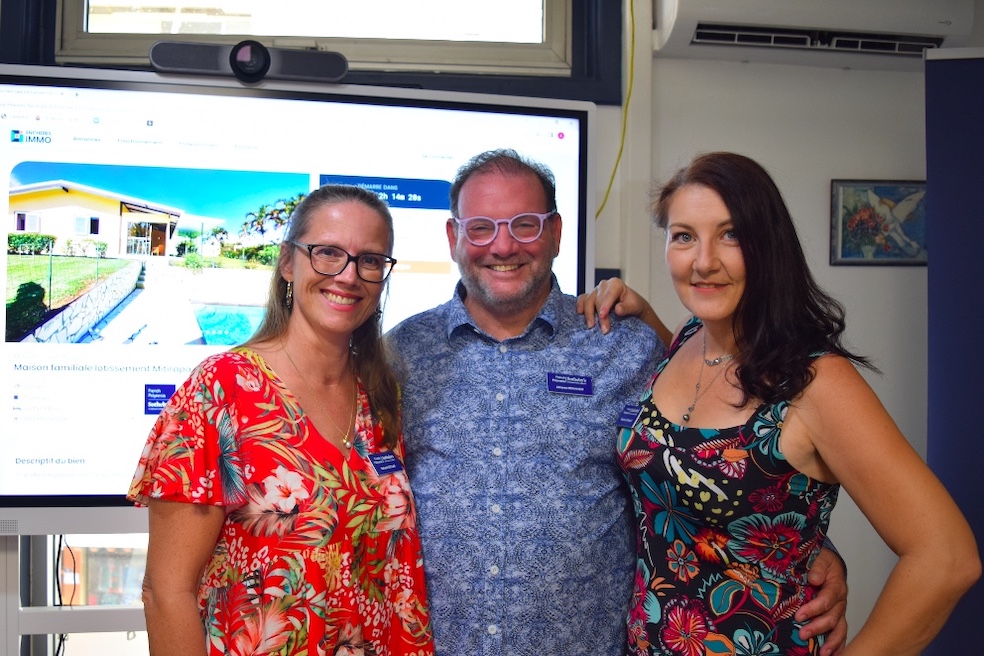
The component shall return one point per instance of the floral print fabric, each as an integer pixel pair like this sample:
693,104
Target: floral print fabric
318,554
524,516
727,531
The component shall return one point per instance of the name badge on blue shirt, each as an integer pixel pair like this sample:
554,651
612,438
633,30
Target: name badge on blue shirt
629,415
569,384
385,463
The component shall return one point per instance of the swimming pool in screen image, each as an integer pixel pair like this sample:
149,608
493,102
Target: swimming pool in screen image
228,325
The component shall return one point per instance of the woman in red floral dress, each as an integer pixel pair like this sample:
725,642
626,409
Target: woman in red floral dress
281,518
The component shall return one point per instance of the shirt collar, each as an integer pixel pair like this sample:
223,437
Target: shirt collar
549,316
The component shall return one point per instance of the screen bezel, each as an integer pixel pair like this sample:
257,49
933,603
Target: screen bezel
40,514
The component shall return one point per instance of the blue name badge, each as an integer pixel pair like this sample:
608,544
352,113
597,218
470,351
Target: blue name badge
629,415
569,384
156,397
385,463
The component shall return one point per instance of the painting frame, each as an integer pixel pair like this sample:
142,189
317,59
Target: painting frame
878,222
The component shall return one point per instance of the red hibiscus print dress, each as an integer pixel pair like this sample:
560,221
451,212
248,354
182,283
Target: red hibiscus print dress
319,554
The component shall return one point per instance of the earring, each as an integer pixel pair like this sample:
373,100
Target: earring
289,296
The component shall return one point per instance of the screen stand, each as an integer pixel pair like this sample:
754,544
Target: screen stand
49,620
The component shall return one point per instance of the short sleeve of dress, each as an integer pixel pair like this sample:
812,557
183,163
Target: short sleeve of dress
194,437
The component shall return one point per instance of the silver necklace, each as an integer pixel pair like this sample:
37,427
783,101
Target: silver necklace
716,361
710,363
346,442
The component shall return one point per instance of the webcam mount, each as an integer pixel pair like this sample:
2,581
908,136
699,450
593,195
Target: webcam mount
249,61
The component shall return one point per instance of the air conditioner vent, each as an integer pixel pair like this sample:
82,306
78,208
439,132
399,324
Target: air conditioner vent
803,39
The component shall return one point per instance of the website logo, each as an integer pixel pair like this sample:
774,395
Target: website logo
30,136
156,397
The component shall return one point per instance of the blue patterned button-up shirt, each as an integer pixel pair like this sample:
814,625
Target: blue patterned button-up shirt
524,515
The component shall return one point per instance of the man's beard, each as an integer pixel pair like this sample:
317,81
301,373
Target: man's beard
507,303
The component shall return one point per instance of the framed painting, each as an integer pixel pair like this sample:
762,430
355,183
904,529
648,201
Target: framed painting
876,222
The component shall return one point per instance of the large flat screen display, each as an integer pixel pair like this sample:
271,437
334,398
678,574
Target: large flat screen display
142,213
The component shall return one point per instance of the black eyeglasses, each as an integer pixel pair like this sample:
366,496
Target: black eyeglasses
332,260
524,228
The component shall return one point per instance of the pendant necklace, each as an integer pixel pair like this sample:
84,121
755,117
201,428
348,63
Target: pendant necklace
710,363
346,442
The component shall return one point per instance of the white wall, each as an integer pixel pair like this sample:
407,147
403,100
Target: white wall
806,126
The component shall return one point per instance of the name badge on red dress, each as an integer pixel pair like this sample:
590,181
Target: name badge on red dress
385,463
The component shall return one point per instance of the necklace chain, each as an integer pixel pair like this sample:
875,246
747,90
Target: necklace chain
710,363
346,442
715,361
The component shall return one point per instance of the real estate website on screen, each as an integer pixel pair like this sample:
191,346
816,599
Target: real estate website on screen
142,227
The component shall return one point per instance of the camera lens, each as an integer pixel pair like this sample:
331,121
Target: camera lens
250,61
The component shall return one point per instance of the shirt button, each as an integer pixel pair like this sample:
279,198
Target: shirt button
494,570
496,508
493,629
497,451
500,396
503,348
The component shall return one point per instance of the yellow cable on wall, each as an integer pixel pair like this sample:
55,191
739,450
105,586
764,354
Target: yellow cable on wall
625,109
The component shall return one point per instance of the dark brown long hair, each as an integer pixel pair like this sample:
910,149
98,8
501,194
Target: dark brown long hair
371,364
783,318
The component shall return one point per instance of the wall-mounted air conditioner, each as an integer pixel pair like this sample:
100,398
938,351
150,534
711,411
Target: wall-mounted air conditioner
865,34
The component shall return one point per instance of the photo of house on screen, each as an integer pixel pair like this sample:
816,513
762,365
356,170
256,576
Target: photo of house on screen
87,262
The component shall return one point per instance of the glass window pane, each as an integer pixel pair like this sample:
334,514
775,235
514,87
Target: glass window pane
99,570
508,21
507,37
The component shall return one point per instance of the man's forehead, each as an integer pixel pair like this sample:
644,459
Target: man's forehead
500,189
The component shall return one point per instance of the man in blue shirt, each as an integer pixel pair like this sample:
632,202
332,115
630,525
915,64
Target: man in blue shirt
510,405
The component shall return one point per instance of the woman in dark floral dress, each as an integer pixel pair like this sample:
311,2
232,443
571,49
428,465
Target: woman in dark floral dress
727,531
737,450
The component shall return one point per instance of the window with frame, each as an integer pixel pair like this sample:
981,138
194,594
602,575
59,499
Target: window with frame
87,225
578,55
27,222
508,37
